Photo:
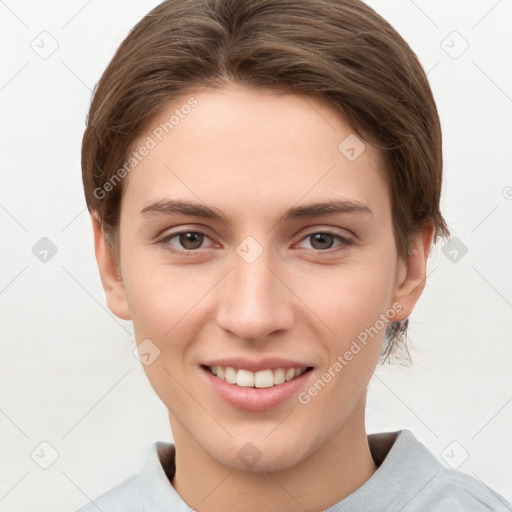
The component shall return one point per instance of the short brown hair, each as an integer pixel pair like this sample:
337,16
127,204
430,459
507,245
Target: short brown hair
341,50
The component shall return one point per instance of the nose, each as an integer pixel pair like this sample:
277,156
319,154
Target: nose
256,301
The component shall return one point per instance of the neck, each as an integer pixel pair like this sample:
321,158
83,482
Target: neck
319,481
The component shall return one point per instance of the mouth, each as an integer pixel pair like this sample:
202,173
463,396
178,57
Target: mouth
266,378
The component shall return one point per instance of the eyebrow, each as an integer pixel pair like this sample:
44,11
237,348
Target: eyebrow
169,207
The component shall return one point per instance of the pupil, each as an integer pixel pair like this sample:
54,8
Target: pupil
191,240
321,238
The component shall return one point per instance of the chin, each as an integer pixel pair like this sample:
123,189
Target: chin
260,455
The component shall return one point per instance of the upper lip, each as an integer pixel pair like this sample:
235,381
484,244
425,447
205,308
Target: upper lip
256,366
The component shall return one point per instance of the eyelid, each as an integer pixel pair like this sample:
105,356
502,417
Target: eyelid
328,230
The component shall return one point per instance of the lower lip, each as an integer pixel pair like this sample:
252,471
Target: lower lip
255,399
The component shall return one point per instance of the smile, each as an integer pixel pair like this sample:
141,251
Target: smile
262,379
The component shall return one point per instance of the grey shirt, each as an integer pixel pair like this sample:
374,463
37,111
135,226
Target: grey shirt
408,479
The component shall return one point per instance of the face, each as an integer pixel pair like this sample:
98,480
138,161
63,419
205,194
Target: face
229,268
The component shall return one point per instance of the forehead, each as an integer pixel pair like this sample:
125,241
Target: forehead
254,145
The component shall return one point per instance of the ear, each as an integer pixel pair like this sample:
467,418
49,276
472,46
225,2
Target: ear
411,275
109,272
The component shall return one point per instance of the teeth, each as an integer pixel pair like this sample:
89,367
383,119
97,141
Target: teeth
261,379
264,379
230,375
245,379
279,376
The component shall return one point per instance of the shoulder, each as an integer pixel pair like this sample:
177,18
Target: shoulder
454,491
457,489
443,489
148,489
124,497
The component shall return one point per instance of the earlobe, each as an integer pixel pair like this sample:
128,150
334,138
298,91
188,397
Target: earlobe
109,272
412,275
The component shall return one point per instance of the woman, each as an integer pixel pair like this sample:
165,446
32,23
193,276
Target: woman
263,178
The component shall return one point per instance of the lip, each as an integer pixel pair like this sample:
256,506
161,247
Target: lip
255,399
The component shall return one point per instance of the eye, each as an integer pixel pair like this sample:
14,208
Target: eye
188,240
321,241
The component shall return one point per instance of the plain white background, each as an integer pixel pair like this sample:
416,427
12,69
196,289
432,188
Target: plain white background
68,374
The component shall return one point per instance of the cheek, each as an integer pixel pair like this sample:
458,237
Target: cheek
163,302
347,299
164,299
350,303
159,296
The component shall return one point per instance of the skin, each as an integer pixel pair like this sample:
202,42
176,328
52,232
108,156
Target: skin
253,155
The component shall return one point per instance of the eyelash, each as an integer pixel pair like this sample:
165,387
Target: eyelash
164,241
